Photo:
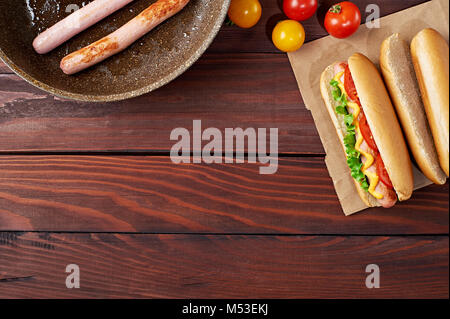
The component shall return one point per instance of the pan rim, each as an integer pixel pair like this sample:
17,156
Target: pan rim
130,94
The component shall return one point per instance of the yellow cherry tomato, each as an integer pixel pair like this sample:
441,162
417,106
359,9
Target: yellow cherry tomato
245,13
288,35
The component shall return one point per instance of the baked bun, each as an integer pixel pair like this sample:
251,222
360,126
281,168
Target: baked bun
430,55
400,78
383,123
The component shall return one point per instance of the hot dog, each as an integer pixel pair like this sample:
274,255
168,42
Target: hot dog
368,129
122,37
75,23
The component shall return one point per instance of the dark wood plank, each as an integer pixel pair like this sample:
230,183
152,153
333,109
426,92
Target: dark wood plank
238,90
4,69
258,39
196,266
151,194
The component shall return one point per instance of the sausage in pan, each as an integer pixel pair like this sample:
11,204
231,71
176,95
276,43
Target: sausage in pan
122,37
75,23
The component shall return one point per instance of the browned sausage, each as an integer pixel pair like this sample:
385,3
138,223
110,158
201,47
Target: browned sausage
122,37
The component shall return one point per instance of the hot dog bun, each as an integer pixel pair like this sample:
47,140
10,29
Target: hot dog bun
400,78
383,122
430,55
341,129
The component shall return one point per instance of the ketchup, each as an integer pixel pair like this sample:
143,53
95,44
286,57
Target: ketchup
349,85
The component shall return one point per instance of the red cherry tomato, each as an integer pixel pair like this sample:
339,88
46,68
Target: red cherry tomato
342,19
382,173
300,9
367,133
349,85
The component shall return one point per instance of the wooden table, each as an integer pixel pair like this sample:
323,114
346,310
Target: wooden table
93,185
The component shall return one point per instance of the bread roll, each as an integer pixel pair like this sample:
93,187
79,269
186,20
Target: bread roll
430,55
400,78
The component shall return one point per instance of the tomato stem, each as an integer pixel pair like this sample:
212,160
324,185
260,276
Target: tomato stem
228,22
336,8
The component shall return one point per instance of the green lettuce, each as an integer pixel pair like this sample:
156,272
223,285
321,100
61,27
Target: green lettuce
353,156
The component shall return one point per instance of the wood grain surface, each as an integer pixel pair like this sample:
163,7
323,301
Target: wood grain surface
233,90
193,266
93,185
151,194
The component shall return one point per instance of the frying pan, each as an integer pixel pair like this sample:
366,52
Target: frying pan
151,62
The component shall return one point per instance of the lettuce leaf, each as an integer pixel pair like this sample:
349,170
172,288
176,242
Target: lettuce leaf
353,156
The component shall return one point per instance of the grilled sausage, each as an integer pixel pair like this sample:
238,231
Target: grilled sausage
122,37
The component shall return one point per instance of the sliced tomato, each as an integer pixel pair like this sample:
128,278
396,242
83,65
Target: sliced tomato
366,132
349,85
382,173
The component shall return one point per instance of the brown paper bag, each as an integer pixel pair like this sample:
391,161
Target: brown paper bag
309,62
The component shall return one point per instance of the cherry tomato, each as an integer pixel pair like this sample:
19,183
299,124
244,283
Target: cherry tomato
288,35
367,133
382,173
349,85
245,13
299,9
342,19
